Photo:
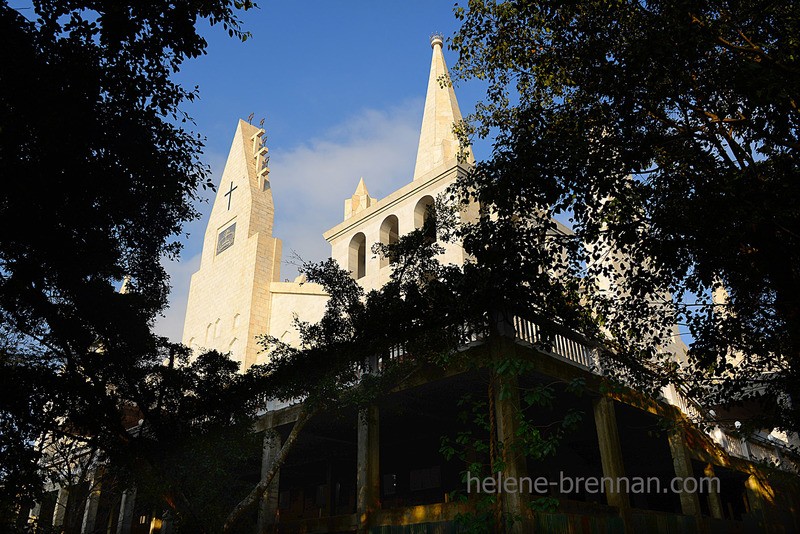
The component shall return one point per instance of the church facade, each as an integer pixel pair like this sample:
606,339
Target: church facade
240,252
366,472
380,470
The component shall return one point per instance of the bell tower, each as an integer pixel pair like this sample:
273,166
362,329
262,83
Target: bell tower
229,296
438,145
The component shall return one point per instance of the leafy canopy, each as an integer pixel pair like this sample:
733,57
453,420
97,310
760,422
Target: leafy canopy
667,132
99,173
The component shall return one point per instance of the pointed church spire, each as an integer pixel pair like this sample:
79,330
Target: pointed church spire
437,142
361,188
229,303
359,201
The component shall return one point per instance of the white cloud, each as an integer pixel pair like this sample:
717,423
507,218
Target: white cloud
309,185
310,182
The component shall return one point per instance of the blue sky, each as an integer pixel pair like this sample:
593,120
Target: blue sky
341,87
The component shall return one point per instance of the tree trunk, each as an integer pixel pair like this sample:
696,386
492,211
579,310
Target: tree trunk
258,492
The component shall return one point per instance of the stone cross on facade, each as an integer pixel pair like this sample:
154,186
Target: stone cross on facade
229,194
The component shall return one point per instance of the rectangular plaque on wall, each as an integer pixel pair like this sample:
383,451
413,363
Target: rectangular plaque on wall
225,238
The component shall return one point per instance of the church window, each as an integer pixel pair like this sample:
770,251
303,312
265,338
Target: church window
389,236
358,256
216,329
233,349
236,321
225,238
208,333
424,212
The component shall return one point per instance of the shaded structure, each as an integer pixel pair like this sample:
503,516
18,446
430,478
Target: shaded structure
381,469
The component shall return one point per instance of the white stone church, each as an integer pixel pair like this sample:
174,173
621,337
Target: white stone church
381,470
241,254
370,475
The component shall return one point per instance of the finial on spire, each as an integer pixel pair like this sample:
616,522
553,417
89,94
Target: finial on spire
361,188
438,145
359,201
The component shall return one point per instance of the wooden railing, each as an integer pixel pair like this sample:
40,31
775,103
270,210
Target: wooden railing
567,345
560,344
570,346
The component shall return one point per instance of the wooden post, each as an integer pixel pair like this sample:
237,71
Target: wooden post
60,511
507,408
328,488
368,475
611,460
268,508
126,510
760,494
682,462
714,501
92,503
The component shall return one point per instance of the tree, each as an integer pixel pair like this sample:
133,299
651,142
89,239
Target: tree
426,312
75,351
668,133
99,175
343,359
